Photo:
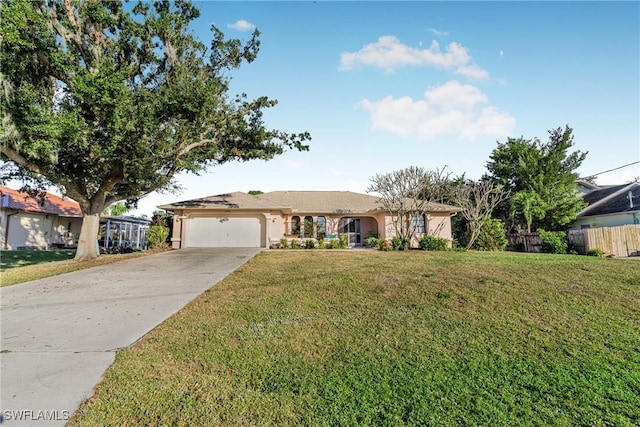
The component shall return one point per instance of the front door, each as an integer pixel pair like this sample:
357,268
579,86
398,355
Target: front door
351,227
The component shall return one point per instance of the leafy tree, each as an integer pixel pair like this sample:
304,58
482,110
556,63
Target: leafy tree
406,192
546,169
529,205
116,209
491,237
255,192
110,104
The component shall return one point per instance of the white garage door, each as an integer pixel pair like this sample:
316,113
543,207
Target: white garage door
223,232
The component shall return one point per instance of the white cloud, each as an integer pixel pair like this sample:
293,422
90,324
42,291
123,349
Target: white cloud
388,53
242,25
501,53
451,109
439,32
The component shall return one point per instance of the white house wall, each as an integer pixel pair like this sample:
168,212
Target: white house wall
610,220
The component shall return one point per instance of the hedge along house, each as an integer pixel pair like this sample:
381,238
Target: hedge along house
40,222
243,220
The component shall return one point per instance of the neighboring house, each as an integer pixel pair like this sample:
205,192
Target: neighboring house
584,187
242,220
28,222
610,207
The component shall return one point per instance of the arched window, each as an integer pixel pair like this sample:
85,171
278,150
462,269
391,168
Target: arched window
307,227
321,224
295,224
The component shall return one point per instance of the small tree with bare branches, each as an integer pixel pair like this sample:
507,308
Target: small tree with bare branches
477,201
406,192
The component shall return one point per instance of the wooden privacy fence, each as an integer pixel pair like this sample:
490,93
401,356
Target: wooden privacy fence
619,241
524,242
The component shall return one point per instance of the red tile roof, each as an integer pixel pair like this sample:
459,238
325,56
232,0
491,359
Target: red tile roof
53,205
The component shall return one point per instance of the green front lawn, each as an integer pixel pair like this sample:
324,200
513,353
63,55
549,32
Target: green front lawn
374,338
23,266
13,259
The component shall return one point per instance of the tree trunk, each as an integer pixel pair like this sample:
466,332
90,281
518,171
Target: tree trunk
88,241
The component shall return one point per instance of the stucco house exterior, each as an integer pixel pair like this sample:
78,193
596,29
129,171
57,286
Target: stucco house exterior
243,220
610,207
28,222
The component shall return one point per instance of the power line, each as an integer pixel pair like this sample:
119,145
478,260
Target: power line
611,170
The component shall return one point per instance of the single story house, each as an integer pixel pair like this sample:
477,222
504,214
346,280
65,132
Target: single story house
28,222
610,207
244,220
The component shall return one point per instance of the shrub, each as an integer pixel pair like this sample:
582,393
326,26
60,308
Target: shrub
295,244
553,242
432,243
596,252
344,241
309,244
373,242
335,244
400,243
384,245
284,242
321,244
492,236
157,236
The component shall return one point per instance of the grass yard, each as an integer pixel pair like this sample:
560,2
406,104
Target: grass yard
374,338
23,266
14,259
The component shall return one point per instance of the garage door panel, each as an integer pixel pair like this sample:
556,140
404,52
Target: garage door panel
211,232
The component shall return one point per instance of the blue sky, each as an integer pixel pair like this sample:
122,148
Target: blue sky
385,85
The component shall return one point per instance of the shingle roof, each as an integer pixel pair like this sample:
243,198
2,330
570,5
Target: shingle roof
612,200
297,201
50,204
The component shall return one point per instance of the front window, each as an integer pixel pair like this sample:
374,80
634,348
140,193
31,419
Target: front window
417,223
307,227
322,226
295,225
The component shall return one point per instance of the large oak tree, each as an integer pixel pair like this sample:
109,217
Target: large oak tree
110,101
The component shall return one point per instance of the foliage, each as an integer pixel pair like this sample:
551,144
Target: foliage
373,242
529,205
384,245
321,243
545,169
116,209
344,241
255,192
310,244
492,236
335,244
432,243
390,339
295,244
595,252
477,201
157,236
399,243
553,242
109,102
162,218
407,191
284,243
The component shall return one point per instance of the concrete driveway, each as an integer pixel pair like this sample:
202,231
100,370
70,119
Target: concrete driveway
60,334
